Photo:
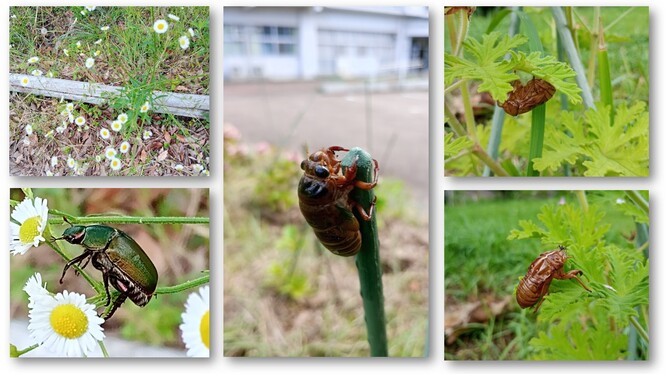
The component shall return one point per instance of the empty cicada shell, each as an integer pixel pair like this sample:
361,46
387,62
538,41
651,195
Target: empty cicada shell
523,98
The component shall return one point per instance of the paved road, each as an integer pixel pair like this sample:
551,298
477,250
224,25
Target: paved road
392,126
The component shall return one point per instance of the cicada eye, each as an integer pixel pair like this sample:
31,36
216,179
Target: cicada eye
321,171
302,164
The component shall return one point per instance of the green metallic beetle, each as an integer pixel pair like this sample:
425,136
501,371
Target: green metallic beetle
121,260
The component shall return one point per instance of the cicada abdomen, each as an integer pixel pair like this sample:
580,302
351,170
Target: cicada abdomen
323,194
523,98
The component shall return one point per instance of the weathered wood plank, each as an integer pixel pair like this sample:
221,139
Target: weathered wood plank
187,105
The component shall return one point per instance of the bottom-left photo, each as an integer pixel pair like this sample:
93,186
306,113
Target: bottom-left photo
109,273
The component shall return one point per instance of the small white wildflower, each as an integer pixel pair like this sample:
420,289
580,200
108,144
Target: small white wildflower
173,17
83,12
25,81
179,167
184,42
26,141
116,164
104,28
37,73
80,121
50,74
49,134
122,117
44,31
28,129
78,44
206,173
105,133
33,60
116,126
97,53
60,129
71,162
69,107
124,147
98,41
191,32
147,134
49,173
70,117
54,161
145,107
160,26
110,153
197,168
90,8
65,51
98,158
89,62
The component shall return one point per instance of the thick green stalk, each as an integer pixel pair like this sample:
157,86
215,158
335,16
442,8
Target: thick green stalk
537,137
496,168
125,219
604,74
368,261
469,118
639,201
185,285
581,198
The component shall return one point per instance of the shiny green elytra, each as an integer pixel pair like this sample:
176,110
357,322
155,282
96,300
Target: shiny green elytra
121,260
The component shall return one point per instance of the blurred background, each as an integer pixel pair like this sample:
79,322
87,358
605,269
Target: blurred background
483,267
300,78
179,252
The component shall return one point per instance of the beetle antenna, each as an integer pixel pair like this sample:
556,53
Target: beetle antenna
64,218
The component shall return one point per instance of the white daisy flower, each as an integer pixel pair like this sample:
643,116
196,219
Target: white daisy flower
71,162
124,147
147,134
33,287
191,32
69,107
98,158
104,28
49,173
145,107
78,44
179,167
90,8
31,219
65,324
110,153
25,81
83,12
122,117
195,325
65,51
206,173
97,53
90,62
160,26
173,17
70,117
197,168
80,121
60,129
28,129
54,161
115,163
105,133
37,73
50,74
33,60
116,126
184,42
49,134
98,41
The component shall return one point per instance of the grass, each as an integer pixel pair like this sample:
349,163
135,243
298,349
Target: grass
180,252
130,54
481,264
285,295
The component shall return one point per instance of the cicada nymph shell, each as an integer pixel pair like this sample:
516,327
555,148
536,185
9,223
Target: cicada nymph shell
523,98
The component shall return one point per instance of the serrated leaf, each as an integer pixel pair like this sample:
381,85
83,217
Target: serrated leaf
550,69
453,147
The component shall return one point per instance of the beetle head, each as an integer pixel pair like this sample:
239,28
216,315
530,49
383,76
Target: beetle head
73,235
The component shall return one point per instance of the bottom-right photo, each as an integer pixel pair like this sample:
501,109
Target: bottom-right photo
546,275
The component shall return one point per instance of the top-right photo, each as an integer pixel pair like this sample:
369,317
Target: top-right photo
546,91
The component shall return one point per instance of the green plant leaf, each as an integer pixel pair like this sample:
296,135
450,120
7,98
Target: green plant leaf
550,69
453,147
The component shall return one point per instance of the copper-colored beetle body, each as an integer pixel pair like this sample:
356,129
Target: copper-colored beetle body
523,98
535,284
323,193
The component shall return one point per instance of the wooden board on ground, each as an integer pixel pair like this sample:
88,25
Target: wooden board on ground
178,104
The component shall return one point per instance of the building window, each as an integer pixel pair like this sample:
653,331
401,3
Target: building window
334,44
242,40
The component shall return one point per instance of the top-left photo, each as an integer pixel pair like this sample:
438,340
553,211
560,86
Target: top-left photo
109,91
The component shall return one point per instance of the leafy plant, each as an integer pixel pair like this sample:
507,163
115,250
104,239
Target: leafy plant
572,323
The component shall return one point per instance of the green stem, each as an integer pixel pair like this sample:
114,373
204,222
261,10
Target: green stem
639,329
581,198
639,201
458,128
468,112
185,285
537,137
103,348
604,74
19,353
125,219
367,260
496,168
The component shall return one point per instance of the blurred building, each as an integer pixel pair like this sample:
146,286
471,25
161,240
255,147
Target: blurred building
287,43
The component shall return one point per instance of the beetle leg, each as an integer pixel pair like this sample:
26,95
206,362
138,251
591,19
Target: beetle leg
359,208
74,261
116,304
82,266
572,274
336,148
542,298
106,287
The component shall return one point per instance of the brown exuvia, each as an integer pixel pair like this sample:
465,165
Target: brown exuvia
536,283
523,98
323,193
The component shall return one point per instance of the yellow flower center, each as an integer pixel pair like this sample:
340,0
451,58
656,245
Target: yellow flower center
69,321
29,229
205,329
160,26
